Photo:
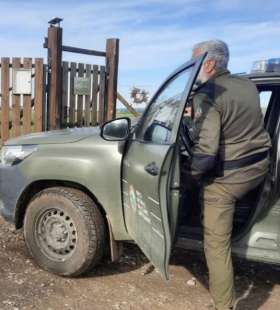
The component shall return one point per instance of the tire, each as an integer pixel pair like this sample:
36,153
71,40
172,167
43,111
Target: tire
64,231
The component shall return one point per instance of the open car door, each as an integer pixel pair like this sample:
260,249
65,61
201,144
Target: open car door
148,165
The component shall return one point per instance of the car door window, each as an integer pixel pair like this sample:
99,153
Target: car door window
265,97
161,114
269,101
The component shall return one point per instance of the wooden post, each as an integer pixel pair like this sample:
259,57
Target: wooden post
80,98
27,64
64,107
102,97
38,100
72,99
112,62
5,102
94,95
55,78
16,105
87,98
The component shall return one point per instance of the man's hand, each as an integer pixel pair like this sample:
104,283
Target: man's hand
188,112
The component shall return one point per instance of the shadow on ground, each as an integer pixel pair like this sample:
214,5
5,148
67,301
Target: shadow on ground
254,282
132,259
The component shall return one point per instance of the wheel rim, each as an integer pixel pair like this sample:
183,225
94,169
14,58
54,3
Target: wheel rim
56,234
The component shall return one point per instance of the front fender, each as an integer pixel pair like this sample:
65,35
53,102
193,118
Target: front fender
94,165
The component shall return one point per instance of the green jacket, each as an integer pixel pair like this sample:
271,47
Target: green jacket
228,125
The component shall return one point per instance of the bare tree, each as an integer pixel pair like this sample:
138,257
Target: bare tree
139,95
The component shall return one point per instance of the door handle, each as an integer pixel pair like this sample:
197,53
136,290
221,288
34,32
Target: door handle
152,168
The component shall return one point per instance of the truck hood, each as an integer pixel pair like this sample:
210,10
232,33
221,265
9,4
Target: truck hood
68,135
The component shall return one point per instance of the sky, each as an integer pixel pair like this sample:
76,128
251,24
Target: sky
155,36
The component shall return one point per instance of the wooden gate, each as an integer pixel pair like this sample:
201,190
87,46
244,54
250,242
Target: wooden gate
51,101
22,113
65,108
82,110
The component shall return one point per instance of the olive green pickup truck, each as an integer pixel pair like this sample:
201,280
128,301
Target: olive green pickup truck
77,192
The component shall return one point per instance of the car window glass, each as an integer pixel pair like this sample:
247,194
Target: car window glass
161,115
265,96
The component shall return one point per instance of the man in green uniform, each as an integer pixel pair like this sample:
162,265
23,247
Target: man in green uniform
230,158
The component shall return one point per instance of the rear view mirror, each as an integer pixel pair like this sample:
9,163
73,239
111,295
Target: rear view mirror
116,130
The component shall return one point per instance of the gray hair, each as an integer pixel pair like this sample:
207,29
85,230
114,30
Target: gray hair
216,50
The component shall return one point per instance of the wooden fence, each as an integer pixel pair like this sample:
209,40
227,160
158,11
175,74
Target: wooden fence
49,96
82,110
22,114
26,113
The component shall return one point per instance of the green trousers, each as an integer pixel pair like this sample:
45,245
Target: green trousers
218,201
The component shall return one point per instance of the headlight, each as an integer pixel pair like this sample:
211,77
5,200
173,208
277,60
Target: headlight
11,155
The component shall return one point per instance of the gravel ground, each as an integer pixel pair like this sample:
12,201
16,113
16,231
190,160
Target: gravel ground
129,284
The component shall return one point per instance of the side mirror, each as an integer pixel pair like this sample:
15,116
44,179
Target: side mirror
116,130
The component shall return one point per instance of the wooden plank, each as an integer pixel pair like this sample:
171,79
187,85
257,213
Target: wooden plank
101,103
87,98
38,99
72,98
21,65
54,62
44,99
94,95
27,64
16,130
112,62
5,81
127,105
80,98
84,51
64,94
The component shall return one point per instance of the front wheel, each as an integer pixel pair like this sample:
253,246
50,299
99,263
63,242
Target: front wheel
64,231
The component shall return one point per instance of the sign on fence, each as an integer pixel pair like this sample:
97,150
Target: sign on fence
82,86
22,104
22,81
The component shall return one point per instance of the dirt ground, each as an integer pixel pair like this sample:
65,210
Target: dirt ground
126,285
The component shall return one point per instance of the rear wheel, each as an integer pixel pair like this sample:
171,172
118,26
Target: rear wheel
64,231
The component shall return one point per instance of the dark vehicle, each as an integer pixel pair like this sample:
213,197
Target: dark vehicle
78,191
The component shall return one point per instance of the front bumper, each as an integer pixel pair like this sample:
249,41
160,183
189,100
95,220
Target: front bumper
12,184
